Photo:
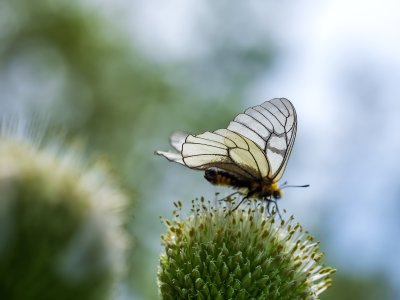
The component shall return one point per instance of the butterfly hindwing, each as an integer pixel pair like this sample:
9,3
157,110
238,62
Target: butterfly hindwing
225,150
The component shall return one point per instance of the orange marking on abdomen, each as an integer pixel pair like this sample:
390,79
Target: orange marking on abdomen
222,180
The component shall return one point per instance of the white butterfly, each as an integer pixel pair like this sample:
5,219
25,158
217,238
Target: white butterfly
250,155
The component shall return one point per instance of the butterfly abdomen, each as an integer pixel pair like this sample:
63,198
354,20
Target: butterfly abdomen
219,177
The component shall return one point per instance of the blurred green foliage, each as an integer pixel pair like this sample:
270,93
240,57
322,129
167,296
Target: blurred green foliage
351,287
105,85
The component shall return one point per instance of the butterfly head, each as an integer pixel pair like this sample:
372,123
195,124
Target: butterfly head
275,191
270,190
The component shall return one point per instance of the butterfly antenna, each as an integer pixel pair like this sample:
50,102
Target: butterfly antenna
285,185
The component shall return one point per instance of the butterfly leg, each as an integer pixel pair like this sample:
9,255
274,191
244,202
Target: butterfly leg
272,201
229,196
269,201
237,206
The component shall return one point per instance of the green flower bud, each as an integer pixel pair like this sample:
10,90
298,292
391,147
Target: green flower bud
243,254
60,224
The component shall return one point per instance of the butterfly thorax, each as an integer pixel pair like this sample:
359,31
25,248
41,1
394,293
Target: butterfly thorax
259,189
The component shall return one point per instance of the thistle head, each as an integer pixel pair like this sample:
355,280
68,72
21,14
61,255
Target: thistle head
61,235
245,254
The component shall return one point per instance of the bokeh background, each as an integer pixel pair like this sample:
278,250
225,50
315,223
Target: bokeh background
122,75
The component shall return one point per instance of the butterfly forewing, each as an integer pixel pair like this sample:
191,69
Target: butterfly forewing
272,126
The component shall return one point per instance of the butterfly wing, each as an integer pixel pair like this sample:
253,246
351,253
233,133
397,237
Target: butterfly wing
272,126
256,145
177,139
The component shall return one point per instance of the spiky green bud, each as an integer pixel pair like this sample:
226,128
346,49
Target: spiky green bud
60,224
244,254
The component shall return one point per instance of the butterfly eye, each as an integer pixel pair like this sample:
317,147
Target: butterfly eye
277,194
